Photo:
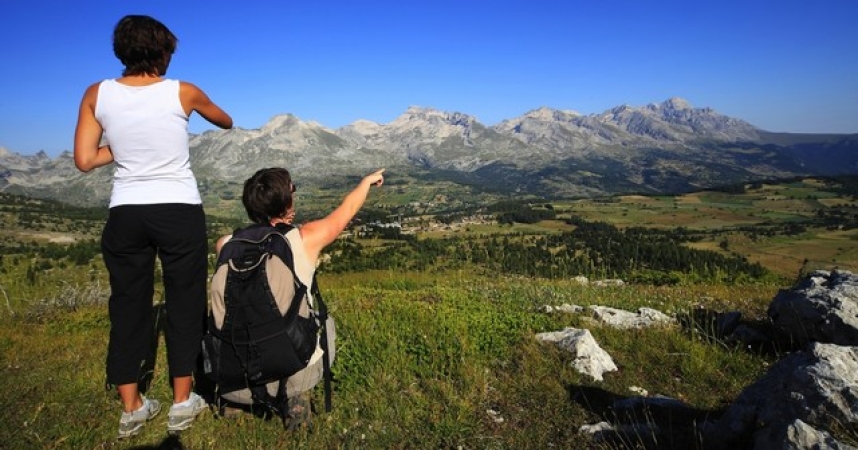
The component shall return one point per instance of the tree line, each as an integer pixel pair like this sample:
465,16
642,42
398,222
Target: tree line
593,249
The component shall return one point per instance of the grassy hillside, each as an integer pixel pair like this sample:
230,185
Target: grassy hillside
424,361
443,356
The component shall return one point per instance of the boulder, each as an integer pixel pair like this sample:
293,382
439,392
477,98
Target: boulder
619,318
817,386
822,307
590,359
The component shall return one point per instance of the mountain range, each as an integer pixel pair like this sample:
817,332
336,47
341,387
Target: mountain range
665,147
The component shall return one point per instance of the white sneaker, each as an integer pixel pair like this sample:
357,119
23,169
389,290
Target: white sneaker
131,423
183,414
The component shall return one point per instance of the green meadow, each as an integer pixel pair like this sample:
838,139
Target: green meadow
441,353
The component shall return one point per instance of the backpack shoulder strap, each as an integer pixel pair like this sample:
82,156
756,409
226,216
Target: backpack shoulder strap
258,239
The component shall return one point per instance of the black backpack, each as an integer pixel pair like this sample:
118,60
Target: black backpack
257,343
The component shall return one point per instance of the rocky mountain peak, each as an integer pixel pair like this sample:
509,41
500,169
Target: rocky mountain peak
431,121
288,121
362,127
279,121
548,114
676,104
432,115
617,110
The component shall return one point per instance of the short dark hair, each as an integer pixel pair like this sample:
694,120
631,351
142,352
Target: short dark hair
143,45
267,194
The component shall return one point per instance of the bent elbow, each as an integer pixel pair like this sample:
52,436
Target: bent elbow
84,166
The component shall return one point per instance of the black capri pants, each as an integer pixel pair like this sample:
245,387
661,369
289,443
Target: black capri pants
133,236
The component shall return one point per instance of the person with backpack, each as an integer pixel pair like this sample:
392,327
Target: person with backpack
269,202
155,210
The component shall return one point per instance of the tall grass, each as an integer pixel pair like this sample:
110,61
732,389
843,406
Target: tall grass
443,360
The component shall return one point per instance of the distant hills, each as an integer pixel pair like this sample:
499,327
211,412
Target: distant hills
661,147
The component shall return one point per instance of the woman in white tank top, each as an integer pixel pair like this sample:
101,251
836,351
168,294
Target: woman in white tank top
155,210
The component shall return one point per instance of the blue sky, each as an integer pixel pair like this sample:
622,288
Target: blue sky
790,65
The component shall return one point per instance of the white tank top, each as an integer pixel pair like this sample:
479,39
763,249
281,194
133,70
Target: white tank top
147,130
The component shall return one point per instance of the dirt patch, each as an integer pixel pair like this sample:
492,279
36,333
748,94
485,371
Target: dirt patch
54,238
689,199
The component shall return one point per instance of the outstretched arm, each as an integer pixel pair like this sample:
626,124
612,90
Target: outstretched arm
194,99
319,233
87,135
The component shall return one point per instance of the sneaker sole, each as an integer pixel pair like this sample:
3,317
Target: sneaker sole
186,423
131,433
140,425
